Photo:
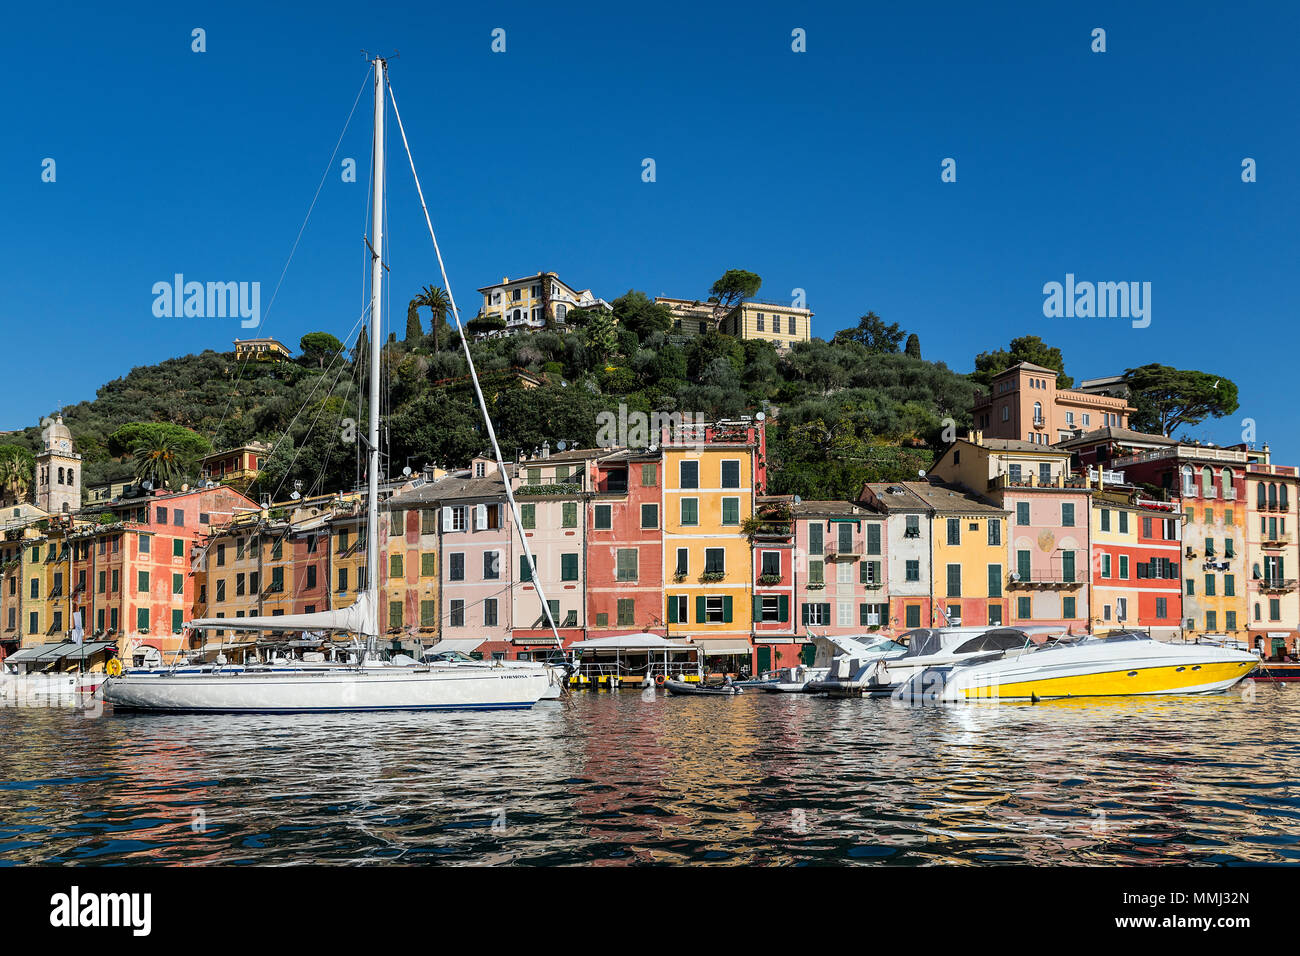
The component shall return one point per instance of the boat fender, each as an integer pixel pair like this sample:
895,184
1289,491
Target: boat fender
113,668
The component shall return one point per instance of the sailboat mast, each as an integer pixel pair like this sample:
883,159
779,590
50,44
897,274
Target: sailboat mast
376,346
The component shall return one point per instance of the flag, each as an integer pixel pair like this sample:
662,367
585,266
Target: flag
77,633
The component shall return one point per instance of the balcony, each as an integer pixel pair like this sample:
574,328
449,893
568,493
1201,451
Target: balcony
1043,579
1278,541
1277,584
836,553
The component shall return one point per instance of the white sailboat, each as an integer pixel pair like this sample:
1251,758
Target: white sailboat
369,684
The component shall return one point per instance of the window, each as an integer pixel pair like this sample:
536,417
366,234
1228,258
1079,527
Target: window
528,515
1024,610
683,561
649,516
772,608
815,575
912,571
815,538
954,531
731,511
142,581
1067,514
1105,565
1123,567
602,519
142,619
995,580
912,526
1211,621
1023,565
394,614
1022,513
395,566
491,565
1162,607
1068,607
1123,522
1229,586
912,612
1067,566
1105,519
1274,609
178,548
526,570
569,567
343,579
689,473
816,613
144,544
490,612
570,516
677,609
690,511
626,564
1209,585
771,563
954,580
731,473
458,614
873,538
648,476
713,609
715,561
995,532
178,584
456,566
428,564
995,615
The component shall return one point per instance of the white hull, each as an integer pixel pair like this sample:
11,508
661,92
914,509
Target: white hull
331,690
39,688
1089,669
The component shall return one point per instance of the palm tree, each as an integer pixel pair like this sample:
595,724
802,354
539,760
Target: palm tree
157,460
15,477
435,299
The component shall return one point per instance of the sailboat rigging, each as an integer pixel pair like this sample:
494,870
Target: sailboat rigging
370,684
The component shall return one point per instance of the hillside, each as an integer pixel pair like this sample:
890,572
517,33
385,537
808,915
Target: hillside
840,412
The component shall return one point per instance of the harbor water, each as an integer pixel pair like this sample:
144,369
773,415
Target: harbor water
626,778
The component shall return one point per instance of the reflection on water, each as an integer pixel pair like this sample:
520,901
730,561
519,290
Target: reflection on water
617,779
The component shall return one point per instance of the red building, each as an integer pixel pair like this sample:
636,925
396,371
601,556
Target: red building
775,627
624,544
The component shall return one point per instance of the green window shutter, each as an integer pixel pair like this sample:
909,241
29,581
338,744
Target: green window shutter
528,516
826,613
803,613
758,608
783,607
864,573
699,609
862,615
873,539
731,511
568,567
525,572
178,584
428,564
672,609
995,580
177,620
570,514
142,619
726,609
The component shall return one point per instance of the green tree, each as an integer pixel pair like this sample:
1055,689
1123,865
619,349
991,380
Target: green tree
1167,398
913,347
414,330
1026,348
636,312
600,335
437,302
872,332
319,347
17,473
735,286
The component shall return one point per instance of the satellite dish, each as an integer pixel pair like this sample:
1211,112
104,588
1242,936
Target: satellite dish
1015,575
760,416
147,485
798,500
561,445
406,470
295,495
921,473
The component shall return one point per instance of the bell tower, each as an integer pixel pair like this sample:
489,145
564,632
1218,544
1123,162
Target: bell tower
58,471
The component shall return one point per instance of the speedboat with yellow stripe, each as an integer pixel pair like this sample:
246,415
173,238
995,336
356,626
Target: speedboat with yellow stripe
1124,664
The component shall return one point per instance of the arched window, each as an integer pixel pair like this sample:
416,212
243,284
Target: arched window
1225,479
1261,496
1272,496
1038,413
60,476
1189,483
1254,570
1207,481
1281,497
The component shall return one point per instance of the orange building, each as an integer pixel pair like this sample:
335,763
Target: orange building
1024,403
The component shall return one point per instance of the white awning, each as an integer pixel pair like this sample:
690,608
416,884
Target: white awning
359,619
629,642
722,646
462,645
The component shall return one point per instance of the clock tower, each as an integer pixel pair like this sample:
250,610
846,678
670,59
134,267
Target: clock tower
58,471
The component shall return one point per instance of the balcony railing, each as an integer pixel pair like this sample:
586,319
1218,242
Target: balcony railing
1039,579
836,553
1277,541
1277,584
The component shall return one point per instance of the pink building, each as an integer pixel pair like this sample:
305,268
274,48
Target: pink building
1024,404
840,568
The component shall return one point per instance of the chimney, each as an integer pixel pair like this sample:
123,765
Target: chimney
546,449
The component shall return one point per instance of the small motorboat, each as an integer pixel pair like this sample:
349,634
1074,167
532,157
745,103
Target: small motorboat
795,680
701,690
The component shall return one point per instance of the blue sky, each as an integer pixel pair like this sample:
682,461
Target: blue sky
817,170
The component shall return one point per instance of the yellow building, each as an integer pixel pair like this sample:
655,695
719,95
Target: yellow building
708,495
535,302
968,544
782,325
261,350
